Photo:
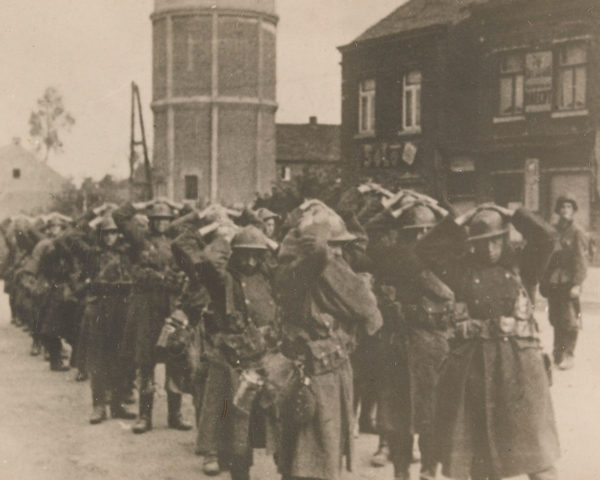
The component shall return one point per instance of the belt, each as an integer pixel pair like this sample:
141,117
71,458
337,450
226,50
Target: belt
112,289
495,328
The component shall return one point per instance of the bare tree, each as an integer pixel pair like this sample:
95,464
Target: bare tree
47,123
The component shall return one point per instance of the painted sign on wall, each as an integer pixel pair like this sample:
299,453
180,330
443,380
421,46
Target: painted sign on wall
538,82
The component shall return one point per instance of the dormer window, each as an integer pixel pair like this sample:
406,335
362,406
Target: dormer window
411,108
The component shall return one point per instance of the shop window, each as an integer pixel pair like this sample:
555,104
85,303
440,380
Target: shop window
572,77
512,80
366,114
191,187
411,105
16,173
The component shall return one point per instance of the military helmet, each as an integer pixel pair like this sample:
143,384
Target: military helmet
419,216
56,219
487,223
108,224
560,201
249,237
160,210
265,214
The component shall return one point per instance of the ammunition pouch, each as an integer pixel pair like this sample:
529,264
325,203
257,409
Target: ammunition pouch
326,355
430,315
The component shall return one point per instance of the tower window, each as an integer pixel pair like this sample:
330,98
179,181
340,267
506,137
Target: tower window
16,173
191,187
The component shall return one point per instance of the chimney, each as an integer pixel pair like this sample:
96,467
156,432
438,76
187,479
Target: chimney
312,121
16,141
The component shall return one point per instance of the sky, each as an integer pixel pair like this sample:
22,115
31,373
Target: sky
93,49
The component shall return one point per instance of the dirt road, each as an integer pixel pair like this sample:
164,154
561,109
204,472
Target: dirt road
45,434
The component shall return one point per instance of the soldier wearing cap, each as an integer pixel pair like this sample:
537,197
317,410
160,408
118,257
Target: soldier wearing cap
241,326
417,308
562,282
156,284
323,302
494,416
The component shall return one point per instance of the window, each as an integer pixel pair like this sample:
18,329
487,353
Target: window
286,173
190,53
366,114
411,111
572,77
16,173
511,84
191,187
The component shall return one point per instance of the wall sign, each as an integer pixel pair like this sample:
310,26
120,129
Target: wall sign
409,154
532,184
538,82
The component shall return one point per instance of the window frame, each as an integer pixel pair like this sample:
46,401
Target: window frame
513,75
416,105
573,67
186,188
366,101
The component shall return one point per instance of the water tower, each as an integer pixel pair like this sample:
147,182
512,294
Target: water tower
214,98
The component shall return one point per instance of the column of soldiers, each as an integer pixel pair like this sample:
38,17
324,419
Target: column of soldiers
281,329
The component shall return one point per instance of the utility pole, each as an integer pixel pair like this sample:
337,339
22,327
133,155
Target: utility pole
136,101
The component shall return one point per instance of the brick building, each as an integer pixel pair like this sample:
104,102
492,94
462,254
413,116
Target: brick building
214,99
302,147
478,100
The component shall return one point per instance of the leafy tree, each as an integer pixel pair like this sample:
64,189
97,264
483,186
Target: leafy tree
74,201
48,122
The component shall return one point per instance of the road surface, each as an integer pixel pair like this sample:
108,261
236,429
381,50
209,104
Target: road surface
45,434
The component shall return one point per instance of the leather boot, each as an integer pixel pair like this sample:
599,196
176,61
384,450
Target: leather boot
144,422
117,410
98,414
175,419
35,348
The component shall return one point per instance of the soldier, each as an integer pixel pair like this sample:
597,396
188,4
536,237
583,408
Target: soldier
108,280
49,271
417,308
323,302
242,328
156,285
494,415
269,221
562,282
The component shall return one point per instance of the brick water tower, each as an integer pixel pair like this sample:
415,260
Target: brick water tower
214,99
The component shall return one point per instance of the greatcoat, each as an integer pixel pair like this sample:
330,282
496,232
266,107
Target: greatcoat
494,392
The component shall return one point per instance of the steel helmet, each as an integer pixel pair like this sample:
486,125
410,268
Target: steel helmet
160,210
108,224
249,237
560,201
265,214
486,224
420,216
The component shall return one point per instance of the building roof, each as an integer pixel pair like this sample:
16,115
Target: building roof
418,14
32,191
308,142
